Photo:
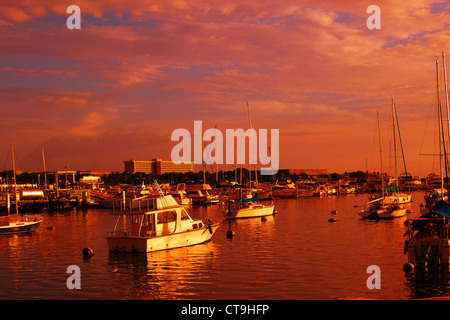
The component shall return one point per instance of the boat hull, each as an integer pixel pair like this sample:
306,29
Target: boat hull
254,212
284,193
428,250
19,227
392,213
164,242
369,213
398,199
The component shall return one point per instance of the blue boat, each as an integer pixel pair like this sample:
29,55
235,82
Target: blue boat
19,227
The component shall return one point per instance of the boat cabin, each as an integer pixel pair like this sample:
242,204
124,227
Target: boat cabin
169,218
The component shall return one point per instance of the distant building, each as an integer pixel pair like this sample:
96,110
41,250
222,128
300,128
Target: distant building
309,172
157,166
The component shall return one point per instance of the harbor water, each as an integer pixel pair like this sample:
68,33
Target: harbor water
295,254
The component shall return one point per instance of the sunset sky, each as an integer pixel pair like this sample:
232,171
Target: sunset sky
137,70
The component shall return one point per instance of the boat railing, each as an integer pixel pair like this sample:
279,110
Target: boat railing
127,233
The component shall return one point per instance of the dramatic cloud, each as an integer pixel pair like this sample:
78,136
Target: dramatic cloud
144,68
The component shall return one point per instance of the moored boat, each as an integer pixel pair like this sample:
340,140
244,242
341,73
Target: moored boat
19,226
428,237
249,208
168,225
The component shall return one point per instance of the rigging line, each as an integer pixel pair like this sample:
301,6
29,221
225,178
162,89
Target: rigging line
374,136
400,139
17,158
7,157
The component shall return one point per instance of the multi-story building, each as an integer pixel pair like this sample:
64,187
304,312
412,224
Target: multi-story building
157,166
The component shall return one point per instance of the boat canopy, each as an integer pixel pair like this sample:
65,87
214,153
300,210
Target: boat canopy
392,188
438,196
442,208
255,198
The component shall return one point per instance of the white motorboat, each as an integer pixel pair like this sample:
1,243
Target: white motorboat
284,190
168,225
249,208
200,195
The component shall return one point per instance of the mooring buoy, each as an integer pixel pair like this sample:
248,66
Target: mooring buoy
88,253
332,220
230,234
408,267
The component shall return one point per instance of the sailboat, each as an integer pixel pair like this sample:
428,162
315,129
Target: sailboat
395,207
397,197
380,208
249,208
428,237
17,226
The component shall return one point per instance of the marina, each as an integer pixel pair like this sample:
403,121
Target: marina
238,151
295,254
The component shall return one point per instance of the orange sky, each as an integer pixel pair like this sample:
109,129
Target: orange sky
137,70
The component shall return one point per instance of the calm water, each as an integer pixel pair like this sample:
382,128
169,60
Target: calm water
296,254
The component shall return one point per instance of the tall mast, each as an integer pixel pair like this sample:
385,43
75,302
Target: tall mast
251,143
440,129
401,144
15,182
381,155
45,170
215,152
446,91
395,144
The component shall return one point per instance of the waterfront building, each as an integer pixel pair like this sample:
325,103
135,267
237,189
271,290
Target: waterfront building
157,166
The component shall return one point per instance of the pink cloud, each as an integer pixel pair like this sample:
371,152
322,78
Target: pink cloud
308,68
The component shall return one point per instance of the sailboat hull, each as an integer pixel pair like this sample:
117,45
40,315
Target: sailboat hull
392,213
19,227
254,211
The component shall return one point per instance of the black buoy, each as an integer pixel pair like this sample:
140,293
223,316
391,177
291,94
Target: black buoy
332,220
408,267
230,234
333,212
88,253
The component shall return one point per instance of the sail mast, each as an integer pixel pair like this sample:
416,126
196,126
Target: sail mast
15,182
441,127
381,155
251,144
395,145
446,91
45,170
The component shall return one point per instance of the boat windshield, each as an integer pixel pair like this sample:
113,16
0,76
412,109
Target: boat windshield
184,215
167,216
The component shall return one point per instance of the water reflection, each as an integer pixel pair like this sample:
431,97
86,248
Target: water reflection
163,274
295,254
428,282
